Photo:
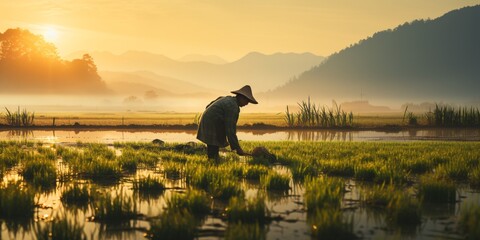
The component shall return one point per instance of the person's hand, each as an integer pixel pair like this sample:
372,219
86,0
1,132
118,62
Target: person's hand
242,153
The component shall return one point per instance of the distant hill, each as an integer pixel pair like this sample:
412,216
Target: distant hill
138,83
421,60
262,71
202,58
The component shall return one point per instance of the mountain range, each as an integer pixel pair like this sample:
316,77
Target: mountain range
435,60
262,71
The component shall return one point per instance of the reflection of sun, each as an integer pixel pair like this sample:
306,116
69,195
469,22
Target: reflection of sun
50,34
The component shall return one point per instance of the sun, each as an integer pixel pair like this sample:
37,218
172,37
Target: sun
50,34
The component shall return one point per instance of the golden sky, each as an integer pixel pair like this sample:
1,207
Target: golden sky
226,28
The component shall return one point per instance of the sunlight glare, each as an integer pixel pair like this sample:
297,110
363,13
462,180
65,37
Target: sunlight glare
50,34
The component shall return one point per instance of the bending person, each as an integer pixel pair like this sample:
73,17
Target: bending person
219,122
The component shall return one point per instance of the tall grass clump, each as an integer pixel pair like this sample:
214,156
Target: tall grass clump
275,182
77,196
114,207
20,118
448,116
173,225
469,222
301,171
322,192
213,180
102,169
453,170
403,211
253,210
379,196
195,202
149,186
254,172
40,172
309,115
433,190
61,229
337,168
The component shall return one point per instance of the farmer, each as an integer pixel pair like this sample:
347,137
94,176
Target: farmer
219,122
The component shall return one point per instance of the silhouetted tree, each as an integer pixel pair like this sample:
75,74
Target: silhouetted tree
29,64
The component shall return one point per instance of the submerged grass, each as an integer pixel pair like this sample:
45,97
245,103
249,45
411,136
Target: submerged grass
469,222
245,231
61,229
323,192
195,202
173,225
253,210
16,203
114,207
275,182
77,196
386,174
432,190
40,172
330,224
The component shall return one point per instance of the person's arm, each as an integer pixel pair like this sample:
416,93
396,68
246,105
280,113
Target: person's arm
231,117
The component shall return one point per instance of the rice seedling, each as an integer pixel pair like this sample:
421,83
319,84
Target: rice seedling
301,171
275,182
379,196
391,174
330,224
418,166
149,185
469,222
474,177
114,208
224,188
172,170
41,173
101,169
195,202
47,153
17,204
245,231
453,170
60,229
432,190
365,172
403,211
255,172
76,196
128,162
322,192
250,211
19,118
214,181
11,155
337,168
173,225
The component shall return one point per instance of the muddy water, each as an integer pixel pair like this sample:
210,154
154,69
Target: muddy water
111,136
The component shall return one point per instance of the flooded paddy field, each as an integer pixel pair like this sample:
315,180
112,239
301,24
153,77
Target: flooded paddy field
305,190
111,136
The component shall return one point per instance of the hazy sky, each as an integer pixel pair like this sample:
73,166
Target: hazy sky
227,28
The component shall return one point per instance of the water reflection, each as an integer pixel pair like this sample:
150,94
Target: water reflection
111,136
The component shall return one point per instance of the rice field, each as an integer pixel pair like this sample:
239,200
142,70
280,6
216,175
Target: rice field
311,190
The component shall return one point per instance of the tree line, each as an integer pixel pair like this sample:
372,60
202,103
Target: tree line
29,64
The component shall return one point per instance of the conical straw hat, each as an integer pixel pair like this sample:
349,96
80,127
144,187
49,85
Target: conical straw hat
246,91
